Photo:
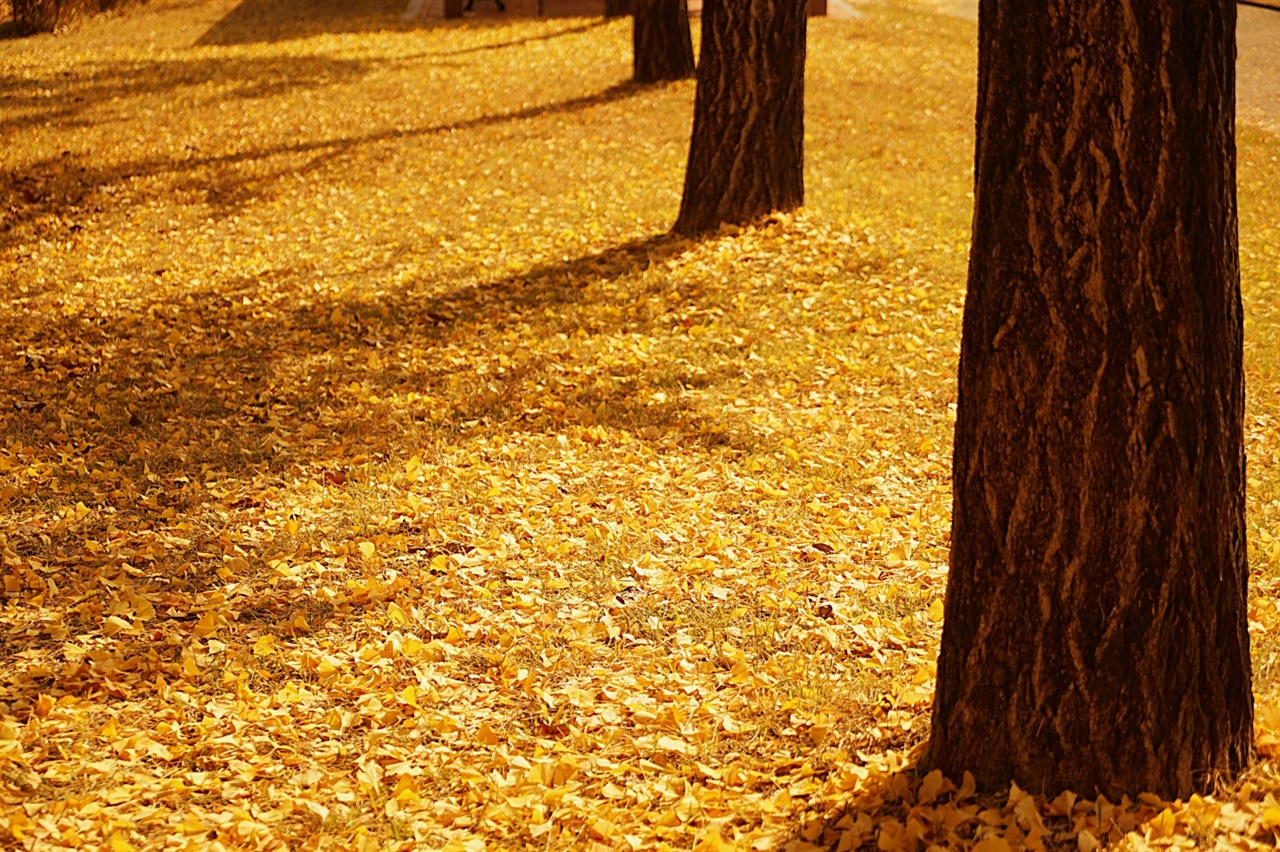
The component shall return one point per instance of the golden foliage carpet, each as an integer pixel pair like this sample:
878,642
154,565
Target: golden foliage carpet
378,474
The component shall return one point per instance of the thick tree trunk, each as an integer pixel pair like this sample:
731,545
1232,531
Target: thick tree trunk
746,156
661,44
1095,634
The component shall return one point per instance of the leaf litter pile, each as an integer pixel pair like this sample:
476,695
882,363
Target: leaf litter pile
377,474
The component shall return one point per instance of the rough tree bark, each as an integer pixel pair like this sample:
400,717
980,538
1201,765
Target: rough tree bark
1095,634
662,47
37,16
746,154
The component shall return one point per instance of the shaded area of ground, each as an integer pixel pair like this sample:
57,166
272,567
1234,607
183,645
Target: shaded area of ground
269,21
58,185
254,21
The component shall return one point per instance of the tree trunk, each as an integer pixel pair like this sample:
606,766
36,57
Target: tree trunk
662,47
617,8
746,156
36,16
1095,634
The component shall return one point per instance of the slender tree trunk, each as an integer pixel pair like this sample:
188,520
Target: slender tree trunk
1095,634
36,16
661,44
746,156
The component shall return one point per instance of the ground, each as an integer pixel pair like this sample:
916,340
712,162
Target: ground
378,473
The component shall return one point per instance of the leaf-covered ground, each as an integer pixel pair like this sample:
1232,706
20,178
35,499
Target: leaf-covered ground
377,474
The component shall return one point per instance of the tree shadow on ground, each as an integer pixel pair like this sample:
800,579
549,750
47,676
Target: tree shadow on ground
482,48
195,398
547,297
131,358
191,404
889,795
903,805
76,98
156,373
53,187
270,21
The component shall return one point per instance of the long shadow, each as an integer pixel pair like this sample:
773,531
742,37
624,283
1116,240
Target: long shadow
83,96
546,297
271,21
82,351
52,186
197,385
65,101
185,397
508,299
481,48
